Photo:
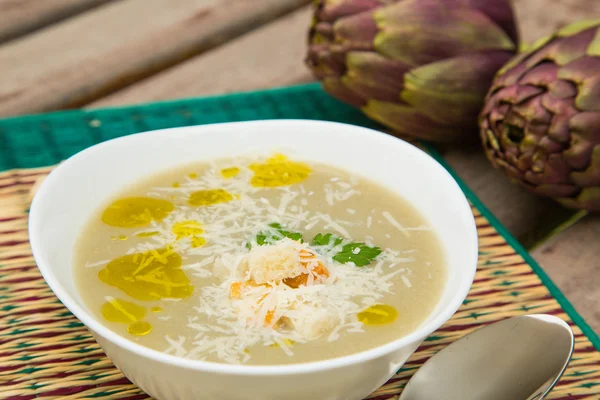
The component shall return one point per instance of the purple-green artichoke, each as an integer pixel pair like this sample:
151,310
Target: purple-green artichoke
421,67
541,121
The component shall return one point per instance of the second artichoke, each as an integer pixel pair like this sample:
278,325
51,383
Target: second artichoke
541,121
421,67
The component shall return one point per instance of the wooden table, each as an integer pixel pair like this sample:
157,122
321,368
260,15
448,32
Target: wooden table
57,54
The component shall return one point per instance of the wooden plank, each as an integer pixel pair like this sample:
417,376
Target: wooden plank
119,44
19,17
540,18
267,57
572,260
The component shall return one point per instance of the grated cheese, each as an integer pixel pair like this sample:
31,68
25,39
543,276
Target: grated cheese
312,224
97,264
321,307
406,281
394,223
176,346
330,223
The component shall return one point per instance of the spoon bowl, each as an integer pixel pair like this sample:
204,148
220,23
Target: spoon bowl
519,358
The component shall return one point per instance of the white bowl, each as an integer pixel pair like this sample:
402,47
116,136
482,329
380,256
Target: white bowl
80,185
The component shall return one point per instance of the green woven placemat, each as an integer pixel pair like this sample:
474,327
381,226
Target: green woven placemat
46,353
41,140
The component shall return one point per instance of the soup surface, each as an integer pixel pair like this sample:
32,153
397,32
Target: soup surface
259,260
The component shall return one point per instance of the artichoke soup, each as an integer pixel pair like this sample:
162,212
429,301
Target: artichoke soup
259,260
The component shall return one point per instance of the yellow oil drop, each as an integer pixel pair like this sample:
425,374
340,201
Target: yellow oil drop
139,328
176,184
147,234
193,175
185,229
278,171
122,311
151,275
229,173
156,309
378,314
120,237
189,229
198,241
288,342
136,211
209,197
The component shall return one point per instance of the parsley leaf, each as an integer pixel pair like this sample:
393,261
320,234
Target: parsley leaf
364,256
326,240
277,233
358,253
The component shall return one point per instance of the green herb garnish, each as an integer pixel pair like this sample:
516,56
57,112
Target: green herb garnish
358,253
349,253
326,240
364,256
272,236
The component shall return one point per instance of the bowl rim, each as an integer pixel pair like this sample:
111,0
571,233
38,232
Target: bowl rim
98,328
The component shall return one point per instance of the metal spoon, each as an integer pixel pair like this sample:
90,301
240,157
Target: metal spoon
519,358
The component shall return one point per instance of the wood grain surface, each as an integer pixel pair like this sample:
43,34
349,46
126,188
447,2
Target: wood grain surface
19,17
120,44
266,57
539,18
572,260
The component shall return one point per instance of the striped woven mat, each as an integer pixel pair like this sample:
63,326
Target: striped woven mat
45,352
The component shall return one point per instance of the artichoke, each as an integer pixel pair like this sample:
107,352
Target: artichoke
421,67
541,120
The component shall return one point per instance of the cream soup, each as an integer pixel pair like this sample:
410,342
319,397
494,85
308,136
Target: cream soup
259,260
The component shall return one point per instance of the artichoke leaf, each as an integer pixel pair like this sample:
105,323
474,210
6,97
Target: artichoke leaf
333,10
374,76
594,47
584,73
577,27
407,120
588,198
560,51
429,34
337,89
356,31
500,12
450,91
591,175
